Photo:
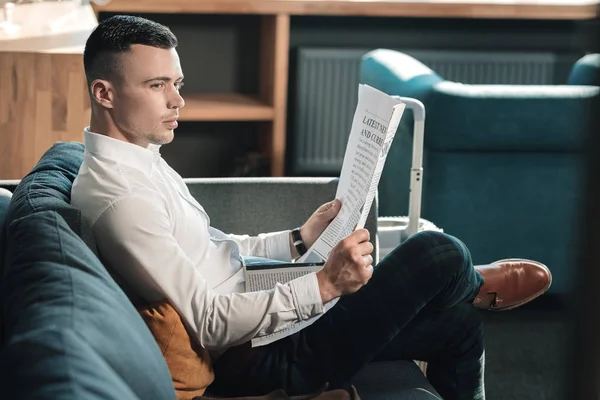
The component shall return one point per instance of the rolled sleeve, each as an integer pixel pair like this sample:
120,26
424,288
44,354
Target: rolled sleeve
278,245
306,295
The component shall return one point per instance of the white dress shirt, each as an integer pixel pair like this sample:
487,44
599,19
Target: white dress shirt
157,238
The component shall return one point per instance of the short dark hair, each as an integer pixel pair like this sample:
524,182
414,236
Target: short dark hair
115,36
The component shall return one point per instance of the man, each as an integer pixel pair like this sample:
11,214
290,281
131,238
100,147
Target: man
416,304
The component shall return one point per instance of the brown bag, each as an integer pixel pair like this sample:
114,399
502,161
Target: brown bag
321,394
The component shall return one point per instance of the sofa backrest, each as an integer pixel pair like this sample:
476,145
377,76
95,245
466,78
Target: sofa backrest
252,206
70,331
48,187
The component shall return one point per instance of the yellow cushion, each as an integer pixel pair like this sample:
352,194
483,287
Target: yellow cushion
190,364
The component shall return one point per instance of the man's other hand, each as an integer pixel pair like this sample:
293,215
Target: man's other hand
348,268
318,221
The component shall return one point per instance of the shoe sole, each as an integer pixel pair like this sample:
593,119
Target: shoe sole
528,299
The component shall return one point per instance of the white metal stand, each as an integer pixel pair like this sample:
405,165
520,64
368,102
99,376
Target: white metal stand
416,170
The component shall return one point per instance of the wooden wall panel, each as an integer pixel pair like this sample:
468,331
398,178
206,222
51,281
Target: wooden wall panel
43,99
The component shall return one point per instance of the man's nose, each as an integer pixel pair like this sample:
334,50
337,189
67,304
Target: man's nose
176,101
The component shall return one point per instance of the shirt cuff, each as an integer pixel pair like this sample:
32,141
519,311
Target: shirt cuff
306,296
278,246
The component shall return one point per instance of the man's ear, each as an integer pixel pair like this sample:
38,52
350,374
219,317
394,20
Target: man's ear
103,93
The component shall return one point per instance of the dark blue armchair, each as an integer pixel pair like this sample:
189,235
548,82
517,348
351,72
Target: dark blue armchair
502,163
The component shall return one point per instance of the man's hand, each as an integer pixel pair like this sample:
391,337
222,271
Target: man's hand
348,268
318,221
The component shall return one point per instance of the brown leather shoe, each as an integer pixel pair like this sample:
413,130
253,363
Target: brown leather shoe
511,283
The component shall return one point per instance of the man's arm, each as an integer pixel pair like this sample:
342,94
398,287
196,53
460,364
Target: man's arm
274,245
134,237
280,245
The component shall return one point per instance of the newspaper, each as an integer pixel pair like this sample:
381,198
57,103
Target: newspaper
264,274
374,126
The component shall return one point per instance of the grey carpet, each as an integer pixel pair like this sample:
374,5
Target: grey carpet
526,353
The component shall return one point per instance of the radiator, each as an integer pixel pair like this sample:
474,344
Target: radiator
327,92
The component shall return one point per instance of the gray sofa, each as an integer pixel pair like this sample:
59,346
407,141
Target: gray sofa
69,331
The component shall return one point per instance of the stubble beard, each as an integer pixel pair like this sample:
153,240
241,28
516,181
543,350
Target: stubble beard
160,139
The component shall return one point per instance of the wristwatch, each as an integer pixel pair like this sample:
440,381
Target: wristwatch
298,242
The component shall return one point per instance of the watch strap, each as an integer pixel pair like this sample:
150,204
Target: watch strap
298,242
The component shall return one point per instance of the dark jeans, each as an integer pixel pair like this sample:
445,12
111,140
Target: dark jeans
417,306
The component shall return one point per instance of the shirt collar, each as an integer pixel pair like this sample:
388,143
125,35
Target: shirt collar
120,151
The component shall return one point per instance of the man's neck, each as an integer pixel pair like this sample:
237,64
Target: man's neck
109,129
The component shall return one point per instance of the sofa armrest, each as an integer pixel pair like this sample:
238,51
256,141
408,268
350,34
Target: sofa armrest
396,73
586,71
255,205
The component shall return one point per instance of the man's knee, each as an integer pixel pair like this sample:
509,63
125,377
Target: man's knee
443,250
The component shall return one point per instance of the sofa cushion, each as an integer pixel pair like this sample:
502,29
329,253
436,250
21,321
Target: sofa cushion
48,187
48,369
190,364
54,286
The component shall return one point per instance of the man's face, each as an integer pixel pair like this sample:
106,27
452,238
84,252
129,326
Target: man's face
146,100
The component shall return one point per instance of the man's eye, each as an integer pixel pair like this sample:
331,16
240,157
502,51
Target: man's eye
178,85
157,85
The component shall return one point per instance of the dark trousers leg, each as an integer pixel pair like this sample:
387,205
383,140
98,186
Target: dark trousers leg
425,276
451,342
